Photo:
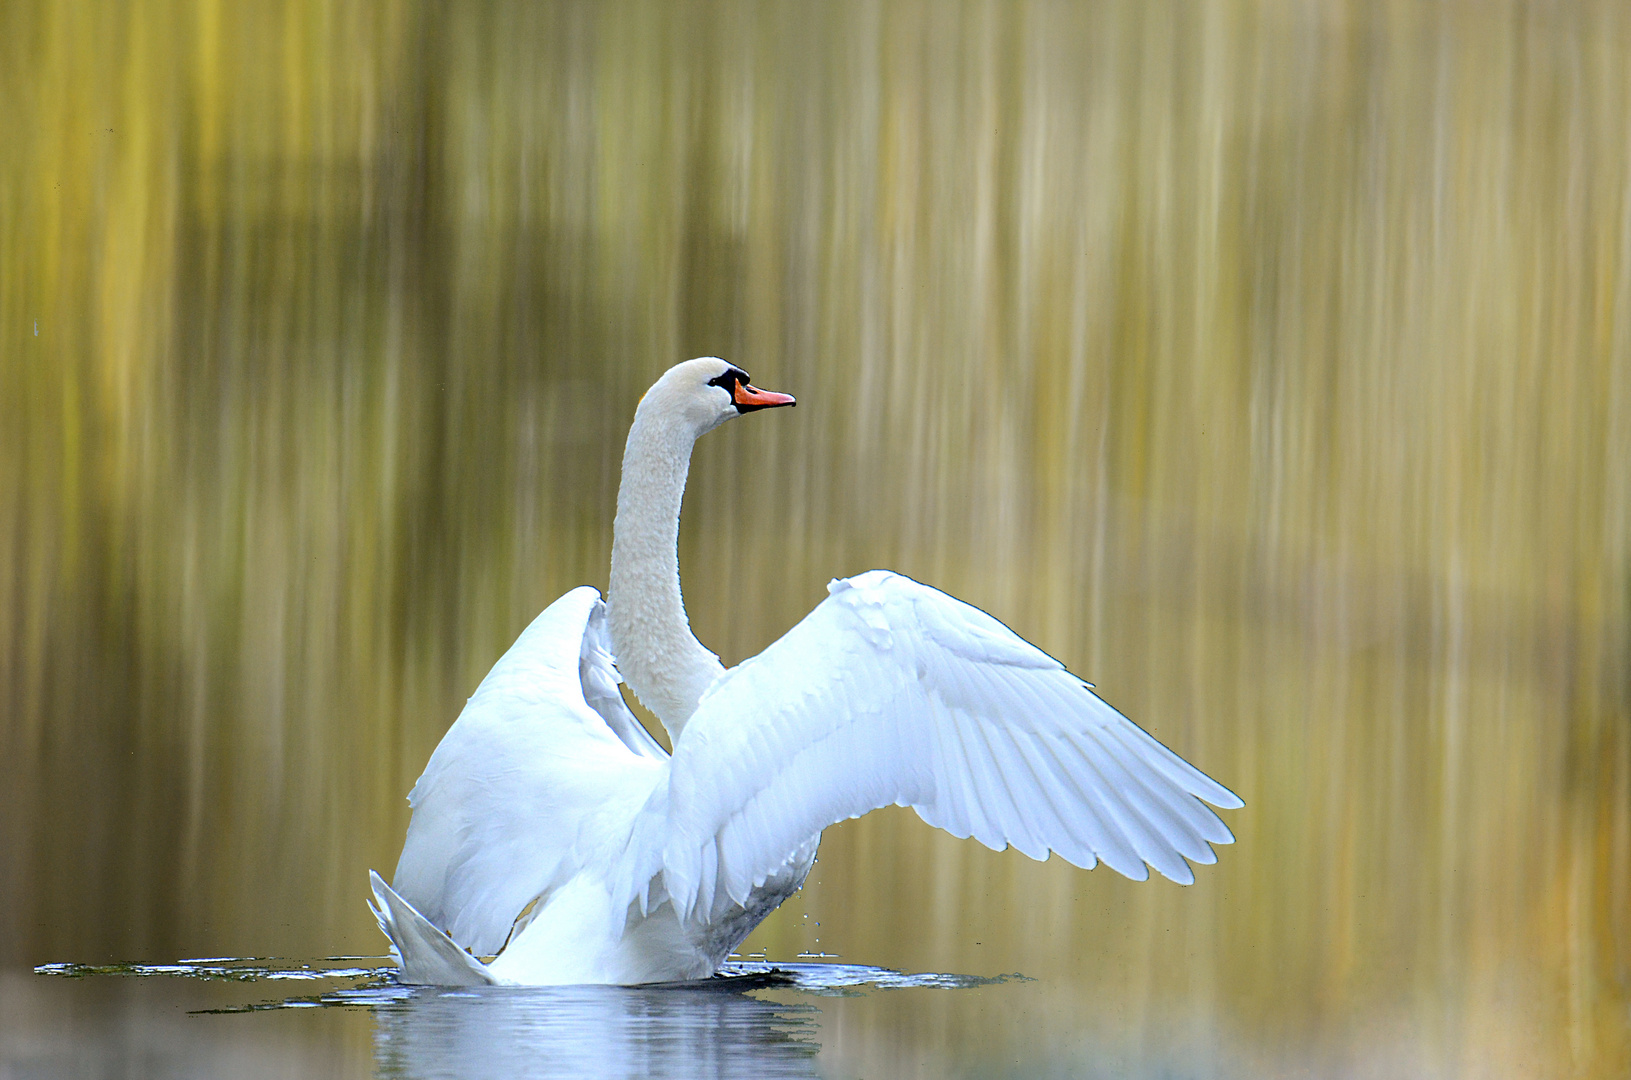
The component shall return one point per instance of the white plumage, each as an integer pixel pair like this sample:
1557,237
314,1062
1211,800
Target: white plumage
548,817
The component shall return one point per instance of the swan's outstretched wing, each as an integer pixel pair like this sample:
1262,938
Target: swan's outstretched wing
545,740
893,692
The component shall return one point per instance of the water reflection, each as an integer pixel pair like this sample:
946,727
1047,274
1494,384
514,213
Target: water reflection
593,1031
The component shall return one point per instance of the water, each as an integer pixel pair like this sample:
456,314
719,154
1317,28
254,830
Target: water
754,1020
1267,361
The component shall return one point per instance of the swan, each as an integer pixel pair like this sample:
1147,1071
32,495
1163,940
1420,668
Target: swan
553,834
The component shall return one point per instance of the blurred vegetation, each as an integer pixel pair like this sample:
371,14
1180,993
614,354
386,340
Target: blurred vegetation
1268,362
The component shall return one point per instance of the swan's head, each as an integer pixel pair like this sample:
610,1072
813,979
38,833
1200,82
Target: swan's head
706,392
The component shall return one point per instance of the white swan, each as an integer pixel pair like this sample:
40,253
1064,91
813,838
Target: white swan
551,830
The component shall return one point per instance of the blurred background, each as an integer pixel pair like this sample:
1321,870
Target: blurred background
1267,361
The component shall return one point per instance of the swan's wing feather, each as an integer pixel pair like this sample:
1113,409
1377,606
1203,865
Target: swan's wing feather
893,692
424,954
527,753
598,681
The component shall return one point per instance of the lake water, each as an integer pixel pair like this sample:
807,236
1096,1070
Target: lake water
346,1016
233,1016
1266,361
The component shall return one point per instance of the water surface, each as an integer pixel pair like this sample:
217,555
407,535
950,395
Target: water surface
753,1020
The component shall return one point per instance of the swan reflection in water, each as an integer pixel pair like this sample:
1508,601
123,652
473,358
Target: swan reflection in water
709,1027
593,1031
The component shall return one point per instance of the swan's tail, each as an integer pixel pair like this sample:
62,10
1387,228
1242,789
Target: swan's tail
426,956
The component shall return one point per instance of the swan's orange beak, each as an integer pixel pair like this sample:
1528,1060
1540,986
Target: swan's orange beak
749,397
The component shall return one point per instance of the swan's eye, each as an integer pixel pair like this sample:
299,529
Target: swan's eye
730,380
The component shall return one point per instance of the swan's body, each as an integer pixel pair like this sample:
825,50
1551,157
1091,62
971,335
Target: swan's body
641,867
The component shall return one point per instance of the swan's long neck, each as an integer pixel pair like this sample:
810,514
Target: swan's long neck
662,661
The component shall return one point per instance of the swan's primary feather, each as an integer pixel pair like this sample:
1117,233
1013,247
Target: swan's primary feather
425,954
893,692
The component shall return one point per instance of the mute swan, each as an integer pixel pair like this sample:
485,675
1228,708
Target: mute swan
551,830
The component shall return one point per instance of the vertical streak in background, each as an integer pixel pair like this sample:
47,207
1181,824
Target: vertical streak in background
1268,363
